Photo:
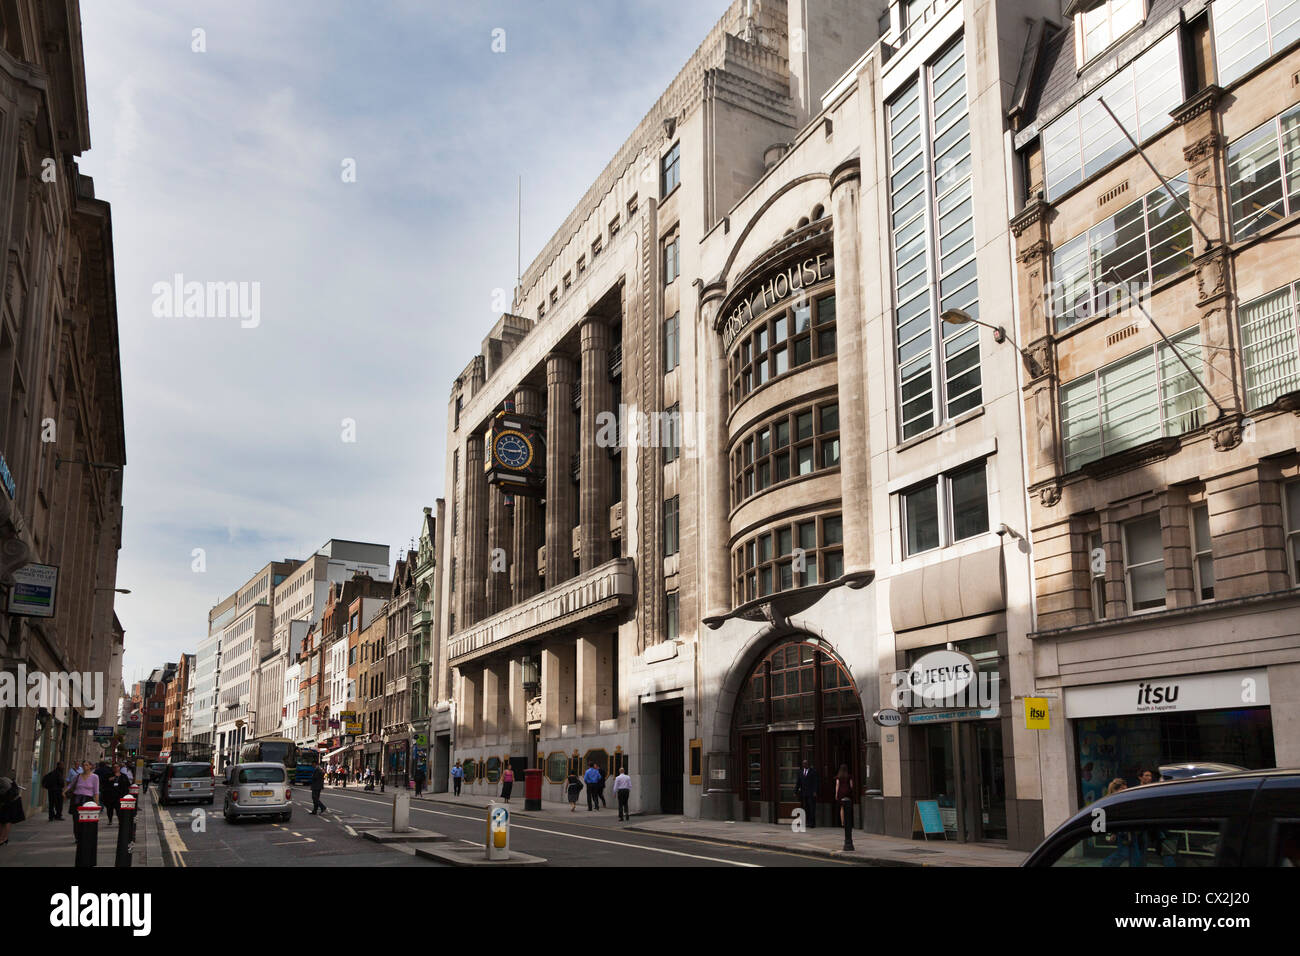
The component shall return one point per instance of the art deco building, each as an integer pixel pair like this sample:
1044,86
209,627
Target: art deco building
62,448
1158,301
816,483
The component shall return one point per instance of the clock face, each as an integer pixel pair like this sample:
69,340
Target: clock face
513,450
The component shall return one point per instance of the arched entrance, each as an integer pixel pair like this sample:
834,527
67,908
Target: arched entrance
798,703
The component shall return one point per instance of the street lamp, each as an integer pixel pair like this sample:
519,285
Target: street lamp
118,590
960,317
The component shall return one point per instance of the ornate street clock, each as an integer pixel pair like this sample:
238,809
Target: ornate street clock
512,449
514,454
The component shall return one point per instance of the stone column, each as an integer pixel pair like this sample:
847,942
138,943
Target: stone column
561,441
855,477
605,664
469,710
597,396
712,447
491,703
518,723
587,684
499,545
550,693
528,536
474,538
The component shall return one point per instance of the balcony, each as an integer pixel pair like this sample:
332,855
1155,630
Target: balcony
600,591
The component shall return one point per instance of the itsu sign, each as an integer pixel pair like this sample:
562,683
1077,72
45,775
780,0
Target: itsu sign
1162,695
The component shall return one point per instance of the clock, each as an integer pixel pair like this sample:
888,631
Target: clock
512,450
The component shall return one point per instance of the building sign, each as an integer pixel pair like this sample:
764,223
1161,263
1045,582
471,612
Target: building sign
350,722
7,478
773,288
940,674
33,591
948,716
1163,695
1037,716
888,717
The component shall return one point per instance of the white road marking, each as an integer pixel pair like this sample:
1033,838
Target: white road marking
293,842
171,834
575,836
351,832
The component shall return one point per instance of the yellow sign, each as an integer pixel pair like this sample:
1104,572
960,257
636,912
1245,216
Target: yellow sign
1036,714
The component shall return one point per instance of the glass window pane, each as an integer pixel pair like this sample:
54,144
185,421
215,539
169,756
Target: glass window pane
825,309
781,434
804,457
803,426
830,418
832,530
830,453
1255,181
970,506
921,519
784,541
808,534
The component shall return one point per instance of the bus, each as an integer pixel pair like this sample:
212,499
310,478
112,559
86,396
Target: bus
280,750
308,760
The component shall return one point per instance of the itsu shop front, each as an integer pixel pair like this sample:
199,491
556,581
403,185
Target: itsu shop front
1120,729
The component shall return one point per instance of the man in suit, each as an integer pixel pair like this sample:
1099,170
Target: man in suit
806,785
317,785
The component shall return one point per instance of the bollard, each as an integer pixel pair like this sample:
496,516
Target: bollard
401,811
88,833
125,832
846,815
498,831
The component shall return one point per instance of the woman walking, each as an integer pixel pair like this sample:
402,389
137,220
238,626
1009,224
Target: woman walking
575,791
11,807
83,790
507,783
843,792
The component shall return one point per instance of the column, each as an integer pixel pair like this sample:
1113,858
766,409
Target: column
500,544
491,703
587,692
561,441
855,478
473,539
605,664
597,396
528,531
518,709
715,523
468,712
550,693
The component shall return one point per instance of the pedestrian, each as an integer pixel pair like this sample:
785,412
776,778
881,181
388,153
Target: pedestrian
622,792
600,788
345,777
1116,786
112,792
843,792
1146,777
317,785
457,775
575,790
84,789
54,782
507,783
11,807
806,786
592,779
419,780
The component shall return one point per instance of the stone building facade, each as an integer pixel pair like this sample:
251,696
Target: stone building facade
1158,303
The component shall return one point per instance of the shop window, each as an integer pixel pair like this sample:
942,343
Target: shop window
793,555
1138,399
945,509
1270,348
672,343
1292,508
1264,174
1204,554
672,543
1248,32
1084,139
796,444
1146,241
670,170
1144,564
1097,28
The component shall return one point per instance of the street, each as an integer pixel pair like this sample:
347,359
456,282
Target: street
333,838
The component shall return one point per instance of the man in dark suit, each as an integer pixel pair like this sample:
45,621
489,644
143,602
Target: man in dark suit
317,785
806,785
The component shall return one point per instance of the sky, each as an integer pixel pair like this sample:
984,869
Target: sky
352,170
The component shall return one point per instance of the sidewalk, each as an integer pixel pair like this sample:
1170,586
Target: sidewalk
869,848
38,842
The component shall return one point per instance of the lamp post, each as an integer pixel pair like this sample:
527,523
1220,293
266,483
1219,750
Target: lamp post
960,317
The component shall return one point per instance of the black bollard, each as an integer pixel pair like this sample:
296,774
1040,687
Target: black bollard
846,814
125,832
87,834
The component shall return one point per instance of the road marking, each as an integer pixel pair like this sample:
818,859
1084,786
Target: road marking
296,833
576,836
351,832
170,833
293,842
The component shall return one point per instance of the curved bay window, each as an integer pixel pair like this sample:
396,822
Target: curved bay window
798,703
806,551
781,341
795,444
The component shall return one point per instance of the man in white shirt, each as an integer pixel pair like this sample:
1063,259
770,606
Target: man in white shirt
623,790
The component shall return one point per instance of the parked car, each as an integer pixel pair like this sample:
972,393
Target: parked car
259,790
1181,771
187,781
1242,818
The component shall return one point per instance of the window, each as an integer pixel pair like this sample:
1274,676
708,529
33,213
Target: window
1248,32
1144,242
597,245
582,264
797,443
670,170
1291,496
1084,139
932,222
555,295
672,345
1264,174
1098,28
945,509
1204,555
672,541
1144,564
670,616
792,555
672,433
1138,399
631,208
672,260
1177,843
781,342
614,225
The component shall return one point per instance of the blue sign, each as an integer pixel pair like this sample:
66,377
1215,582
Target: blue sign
6,478
931,820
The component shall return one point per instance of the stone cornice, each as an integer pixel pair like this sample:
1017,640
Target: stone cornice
1196,104
1033,212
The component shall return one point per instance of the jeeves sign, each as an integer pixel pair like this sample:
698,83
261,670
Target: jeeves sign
763,295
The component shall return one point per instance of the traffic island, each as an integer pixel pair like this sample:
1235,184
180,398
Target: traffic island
462,855
411,835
